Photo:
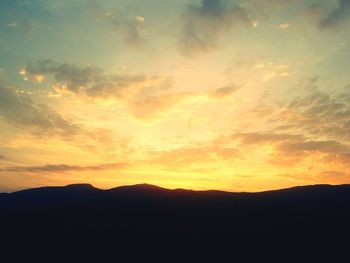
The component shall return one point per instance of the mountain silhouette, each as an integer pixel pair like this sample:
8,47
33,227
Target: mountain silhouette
143,222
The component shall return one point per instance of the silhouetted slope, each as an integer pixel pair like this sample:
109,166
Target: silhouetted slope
298,221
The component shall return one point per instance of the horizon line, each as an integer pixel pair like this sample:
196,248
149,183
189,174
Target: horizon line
171,189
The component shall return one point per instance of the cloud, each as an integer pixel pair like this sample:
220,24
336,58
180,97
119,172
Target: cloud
92,82
313,113
262,138
288,149
328,19
54,168
338,16
129,27
224,92
317,125
206,23
325,151
20,110
312,128
317,113
282,150
332,147
284,26
146,97
30,116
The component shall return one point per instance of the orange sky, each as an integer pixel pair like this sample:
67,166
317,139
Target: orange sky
226,94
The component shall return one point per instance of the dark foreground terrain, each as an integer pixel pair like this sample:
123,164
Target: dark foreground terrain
142,223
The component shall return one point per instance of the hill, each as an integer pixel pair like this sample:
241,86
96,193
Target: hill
146,221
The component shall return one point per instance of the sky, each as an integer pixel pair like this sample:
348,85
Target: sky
200,94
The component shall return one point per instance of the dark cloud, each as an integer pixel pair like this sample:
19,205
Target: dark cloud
337,16
328,19
20,110
53,168
92,82
204,24
74,77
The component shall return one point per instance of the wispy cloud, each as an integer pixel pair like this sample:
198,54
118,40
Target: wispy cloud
315,124
36,120
57,168
20,110
128,27
225,91
89,81
146,97
317,113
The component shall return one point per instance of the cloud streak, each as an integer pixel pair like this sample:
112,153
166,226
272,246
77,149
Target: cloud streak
146,97
225,91
56,168
90,81
20,110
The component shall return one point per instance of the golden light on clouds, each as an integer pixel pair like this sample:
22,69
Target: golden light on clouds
284,26
139,18
202,95
38,78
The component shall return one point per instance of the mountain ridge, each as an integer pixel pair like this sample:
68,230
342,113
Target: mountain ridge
135,220
151,187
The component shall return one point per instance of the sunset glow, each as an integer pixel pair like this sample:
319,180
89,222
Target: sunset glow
198,94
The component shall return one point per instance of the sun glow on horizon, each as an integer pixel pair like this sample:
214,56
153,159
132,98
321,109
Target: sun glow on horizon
209,94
